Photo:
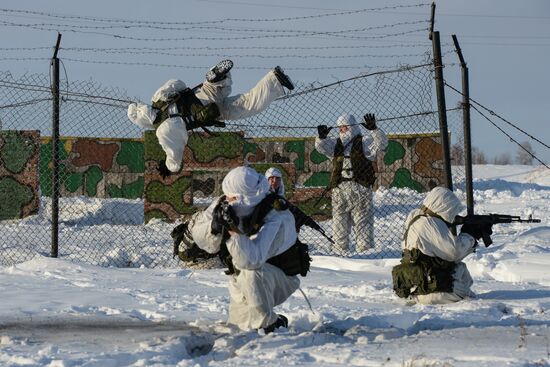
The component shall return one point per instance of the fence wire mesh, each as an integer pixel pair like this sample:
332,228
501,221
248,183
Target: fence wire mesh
115,210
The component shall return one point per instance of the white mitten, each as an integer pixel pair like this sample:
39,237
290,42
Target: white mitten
142,115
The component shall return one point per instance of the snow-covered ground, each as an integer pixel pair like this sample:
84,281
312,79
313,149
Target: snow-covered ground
59,313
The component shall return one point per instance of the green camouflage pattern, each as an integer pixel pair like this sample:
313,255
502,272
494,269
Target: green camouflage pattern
126,168
19,180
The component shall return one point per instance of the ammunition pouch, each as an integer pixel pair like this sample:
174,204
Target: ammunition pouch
190,251
190,109
294,261
420,274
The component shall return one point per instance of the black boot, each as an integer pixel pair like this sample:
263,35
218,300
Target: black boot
219,71
283,78
281,321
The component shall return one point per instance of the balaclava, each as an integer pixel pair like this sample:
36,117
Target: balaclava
248,186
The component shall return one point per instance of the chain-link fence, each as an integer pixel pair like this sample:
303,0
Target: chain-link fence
116,210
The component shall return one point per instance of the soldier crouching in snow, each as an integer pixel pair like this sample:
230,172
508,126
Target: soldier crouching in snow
431,270
254,234
177,108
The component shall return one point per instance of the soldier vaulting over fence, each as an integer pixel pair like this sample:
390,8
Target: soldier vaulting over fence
109,169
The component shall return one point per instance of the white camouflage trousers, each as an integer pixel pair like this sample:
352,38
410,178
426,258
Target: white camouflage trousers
352,207
254,294
244,105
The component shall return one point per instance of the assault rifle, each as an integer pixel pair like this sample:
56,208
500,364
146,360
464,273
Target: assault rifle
485,222
302,218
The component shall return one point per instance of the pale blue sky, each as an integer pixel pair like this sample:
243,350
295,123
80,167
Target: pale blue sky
506,45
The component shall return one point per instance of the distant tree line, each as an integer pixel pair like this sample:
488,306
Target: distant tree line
523,156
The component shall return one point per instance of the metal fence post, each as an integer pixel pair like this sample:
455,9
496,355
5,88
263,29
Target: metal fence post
55,149
467,131
440,90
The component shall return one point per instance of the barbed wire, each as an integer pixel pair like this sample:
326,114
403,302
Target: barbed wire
263,56
498,116
201,67
260,20
24,58
25,103
196,67
42,88
400,69
200,38
33,87
21,86
211,48
69,27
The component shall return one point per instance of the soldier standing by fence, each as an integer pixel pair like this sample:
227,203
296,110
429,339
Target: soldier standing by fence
352,178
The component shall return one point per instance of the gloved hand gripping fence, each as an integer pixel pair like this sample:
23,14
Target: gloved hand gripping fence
370,121
323,131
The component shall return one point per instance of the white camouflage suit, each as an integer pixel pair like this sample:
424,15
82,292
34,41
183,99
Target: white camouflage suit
172,132
258,287
433,238
352,202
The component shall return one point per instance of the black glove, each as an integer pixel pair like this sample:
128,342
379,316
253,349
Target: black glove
323,131
370,121
223,216
163,170
177,236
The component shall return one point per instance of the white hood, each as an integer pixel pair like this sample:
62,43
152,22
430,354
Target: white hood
275,172
444,203
248,186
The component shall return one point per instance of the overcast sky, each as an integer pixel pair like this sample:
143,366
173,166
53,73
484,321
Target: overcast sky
506,44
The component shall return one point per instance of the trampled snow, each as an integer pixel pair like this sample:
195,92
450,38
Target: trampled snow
60,313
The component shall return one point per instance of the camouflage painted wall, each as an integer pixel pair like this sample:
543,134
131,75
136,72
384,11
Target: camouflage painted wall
19,153
413,161
107,168
126,168
206,161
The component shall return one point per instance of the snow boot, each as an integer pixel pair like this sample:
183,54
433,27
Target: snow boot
283,78
219,71
281,321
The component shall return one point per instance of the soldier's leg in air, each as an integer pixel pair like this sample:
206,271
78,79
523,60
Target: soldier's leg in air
253,102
